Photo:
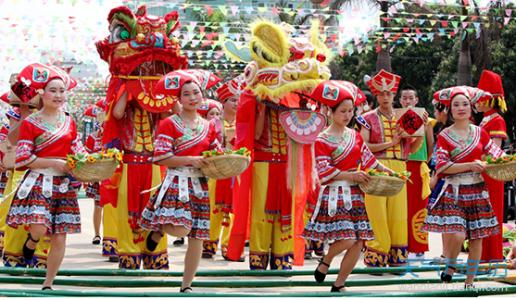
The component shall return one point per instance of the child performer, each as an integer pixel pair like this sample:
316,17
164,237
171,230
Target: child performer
182,207
493,122
341,156
221,191
462,209
419,185
47,198
94,144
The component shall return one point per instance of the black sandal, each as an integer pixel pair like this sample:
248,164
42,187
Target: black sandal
46,288
150,243
469,286
28,253
186,290
320,276
447,278
96,240
337,289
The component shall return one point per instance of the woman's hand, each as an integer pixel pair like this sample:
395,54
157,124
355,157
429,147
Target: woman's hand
61,166
477,166
198,161
360,177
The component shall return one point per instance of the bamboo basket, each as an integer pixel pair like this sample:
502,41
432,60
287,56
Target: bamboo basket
96,171
225,166
381,185
503,171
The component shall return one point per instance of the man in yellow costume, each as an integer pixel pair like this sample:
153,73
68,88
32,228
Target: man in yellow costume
388,215
140,50
281,70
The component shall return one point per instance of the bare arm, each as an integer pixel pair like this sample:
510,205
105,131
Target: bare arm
416,144
119,109
54,163
14,132
182,161
429,132
476,166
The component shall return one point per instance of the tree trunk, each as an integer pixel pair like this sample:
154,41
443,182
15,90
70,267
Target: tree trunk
383,60
464,68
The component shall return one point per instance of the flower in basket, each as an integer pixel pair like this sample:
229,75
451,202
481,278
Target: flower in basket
242,151
405,175
506,158
91,159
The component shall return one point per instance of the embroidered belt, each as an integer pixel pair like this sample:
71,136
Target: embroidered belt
333,197
137,158
269,157
183,174
48,181
456,181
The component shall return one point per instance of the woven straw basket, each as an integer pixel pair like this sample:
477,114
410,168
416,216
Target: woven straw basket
381,185
96,171
225,166
504,171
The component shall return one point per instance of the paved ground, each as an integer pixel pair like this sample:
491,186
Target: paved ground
81,254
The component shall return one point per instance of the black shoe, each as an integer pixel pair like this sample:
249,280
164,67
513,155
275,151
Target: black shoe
308,255
207,255
179,242
96,240
320,276
447,278
337,289
113,259
150,243
28,253
46,288
186,290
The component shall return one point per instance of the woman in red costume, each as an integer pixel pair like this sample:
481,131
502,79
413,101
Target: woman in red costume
182,206
493,122
47,198
341,156
462,209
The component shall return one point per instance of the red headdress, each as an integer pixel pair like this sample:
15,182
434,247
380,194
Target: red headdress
333,92
34,77
384,81
232,88
492,83
172,83
445,96
208,105
5,97
90,112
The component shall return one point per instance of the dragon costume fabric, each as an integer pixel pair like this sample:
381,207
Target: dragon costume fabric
140,49
274,119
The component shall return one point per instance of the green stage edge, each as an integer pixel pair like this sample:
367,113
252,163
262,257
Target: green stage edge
219,273
446,293
222,283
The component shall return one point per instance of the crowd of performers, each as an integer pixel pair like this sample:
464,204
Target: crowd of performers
159,189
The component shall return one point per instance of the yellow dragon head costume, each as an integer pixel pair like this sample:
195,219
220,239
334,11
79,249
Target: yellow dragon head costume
279,63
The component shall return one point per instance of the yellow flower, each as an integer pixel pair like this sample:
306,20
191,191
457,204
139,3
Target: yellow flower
91,159
70,161
71,164
119,156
